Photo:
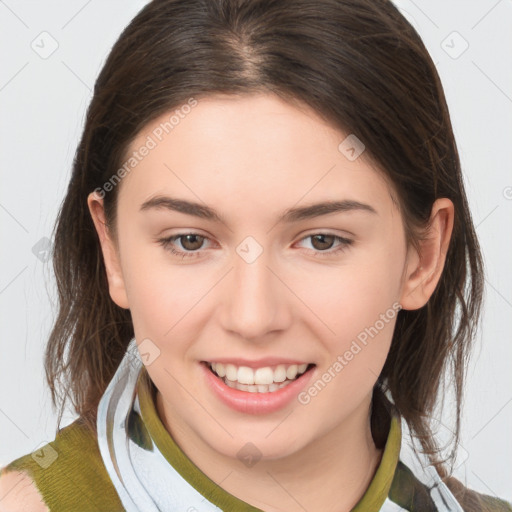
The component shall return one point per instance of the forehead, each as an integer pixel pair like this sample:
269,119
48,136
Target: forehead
260,147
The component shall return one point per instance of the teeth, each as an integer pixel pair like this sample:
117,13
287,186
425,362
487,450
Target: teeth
264,375
231,372
220,370
246,375
291,372
280,373
256,388
258,380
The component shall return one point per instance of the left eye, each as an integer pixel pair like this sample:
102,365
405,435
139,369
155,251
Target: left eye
192,243
321,240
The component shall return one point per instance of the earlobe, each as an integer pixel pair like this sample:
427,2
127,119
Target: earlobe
115,278
424,268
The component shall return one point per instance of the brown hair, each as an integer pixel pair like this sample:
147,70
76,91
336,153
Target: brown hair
362,67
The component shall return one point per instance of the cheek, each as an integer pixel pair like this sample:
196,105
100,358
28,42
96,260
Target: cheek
352,297
360,311
357,304
159,291
166,308
170,307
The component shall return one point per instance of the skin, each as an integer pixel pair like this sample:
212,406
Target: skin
295,300
19,493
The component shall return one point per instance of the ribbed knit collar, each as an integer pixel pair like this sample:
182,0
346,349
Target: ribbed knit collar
373,498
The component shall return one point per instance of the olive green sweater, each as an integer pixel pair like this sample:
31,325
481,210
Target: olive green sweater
70,474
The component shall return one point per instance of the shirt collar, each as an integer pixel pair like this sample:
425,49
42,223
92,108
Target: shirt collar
373,498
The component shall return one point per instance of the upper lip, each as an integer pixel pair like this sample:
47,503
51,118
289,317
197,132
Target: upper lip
258,363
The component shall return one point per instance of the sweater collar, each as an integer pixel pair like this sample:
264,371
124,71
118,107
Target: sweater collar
373,499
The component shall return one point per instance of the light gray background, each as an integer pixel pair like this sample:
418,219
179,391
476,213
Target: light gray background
43,100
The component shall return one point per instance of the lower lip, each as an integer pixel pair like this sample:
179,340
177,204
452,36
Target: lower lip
256,403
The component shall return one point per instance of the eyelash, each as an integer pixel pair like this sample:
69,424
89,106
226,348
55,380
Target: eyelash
166,244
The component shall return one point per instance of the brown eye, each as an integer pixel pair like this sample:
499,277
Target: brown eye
191,242
185,245
322,242
326,244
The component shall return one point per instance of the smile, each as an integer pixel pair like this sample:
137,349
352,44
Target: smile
256,388
267,379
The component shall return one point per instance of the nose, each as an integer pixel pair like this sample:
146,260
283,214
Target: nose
255,302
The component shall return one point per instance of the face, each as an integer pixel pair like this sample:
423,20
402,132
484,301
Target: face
252,276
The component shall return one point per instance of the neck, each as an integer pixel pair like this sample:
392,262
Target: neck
338,466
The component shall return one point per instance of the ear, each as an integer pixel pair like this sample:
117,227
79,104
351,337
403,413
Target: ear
424,268
111,257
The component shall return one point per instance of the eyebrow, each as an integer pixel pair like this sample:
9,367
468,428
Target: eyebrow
291,215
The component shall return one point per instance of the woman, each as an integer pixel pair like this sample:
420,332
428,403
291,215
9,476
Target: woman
261,260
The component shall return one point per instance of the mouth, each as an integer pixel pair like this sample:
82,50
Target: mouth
267,379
